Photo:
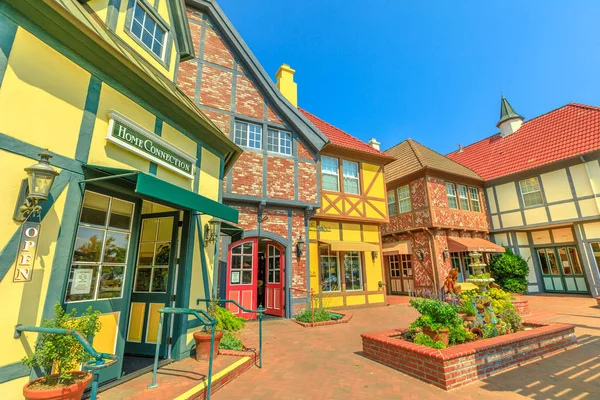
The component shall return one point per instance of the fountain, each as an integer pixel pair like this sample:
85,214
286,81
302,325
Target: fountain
479,279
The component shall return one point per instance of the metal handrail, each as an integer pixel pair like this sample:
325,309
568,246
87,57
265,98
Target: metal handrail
260,311
98,361
206,320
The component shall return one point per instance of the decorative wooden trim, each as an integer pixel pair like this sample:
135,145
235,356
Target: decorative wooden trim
379,171
375,208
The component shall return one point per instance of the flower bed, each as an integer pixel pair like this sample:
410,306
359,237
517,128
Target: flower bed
345,318
465,363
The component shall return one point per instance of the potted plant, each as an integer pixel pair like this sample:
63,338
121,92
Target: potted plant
436,320
226,322
59,356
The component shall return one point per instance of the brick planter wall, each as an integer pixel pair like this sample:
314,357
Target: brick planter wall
522,306
463,364
344,320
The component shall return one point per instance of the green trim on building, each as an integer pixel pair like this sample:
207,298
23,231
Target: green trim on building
13,371
88,121
183,36
8,30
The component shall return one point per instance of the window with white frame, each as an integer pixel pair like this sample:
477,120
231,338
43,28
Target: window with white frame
147,30
391,200
352,271
279,141
474,194
351,181
463,197
404,199
330,173
330,271
248,135
531,192
451,193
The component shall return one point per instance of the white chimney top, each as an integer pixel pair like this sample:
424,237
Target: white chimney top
374,143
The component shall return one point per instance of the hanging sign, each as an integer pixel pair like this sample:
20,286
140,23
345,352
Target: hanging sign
30,231
129,135
82,281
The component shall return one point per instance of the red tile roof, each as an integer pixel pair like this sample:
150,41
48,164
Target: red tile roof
340,138
566,132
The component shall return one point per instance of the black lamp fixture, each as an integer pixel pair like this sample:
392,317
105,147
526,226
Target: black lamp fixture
211,230
420,254
300,246
374,255
446,253
36,188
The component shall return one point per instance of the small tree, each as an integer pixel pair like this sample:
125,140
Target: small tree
510,271
63,353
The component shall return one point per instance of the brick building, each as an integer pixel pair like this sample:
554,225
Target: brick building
438,214
274,182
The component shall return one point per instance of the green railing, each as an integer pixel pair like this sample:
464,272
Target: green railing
205,320
260,311
97,362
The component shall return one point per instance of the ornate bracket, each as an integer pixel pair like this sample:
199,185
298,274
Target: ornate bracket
261,208
309,212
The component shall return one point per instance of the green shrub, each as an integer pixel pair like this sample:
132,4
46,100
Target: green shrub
63,352
425,340
227,321
321,315
510,271
230,341
512,320
459,334
435,314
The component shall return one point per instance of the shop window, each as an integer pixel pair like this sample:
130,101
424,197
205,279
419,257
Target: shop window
351,180
407,268
241,264
101,247
154,255
248,135
330,271
352,271
279,142
451,193
404,199
330,173
391,200
531,192
596,251
475,203
463,197
148,30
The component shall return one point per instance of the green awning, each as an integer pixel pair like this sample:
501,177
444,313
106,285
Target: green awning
236,233
152,187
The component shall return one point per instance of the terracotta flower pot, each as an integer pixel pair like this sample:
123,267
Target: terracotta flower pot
202,339
441,336
71,392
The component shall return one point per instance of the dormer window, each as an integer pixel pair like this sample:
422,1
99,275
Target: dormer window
148,30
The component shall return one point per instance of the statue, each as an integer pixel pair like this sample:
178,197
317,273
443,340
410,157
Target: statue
450,283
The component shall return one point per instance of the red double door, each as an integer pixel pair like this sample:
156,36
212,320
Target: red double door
244,284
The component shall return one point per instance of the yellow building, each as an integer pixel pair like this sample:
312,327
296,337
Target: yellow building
128,225
344,249
542,180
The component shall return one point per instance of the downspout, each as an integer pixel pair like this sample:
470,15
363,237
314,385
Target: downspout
434,264
594,192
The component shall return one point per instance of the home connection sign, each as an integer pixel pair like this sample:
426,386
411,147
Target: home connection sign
129,135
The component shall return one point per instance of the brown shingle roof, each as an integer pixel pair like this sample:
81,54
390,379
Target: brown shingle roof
412,157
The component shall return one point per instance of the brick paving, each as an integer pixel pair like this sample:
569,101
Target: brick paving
326,362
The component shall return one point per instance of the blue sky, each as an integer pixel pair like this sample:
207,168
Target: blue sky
429,70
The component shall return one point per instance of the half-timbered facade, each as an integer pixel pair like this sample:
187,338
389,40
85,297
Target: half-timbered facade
274,182
437,215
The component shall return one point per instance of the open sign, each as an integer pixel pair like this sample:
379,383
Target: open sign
30,232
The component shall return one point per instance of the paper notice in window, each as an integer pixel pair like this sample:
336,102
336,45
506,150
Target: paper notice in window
82,281
235,277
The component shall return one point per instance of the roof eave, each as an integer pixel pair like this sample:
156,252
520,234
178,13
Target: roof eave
183,35
360,154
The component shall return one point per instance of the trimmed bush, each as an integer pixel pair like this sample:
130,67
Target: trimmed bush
510,271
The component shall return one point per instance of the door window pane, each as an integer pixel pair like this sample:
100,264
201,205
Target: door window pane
241,264
165,229
162,254
88,245
564,261
544,262
149,227
352,271
552,261
142,279
596,251
407,270
575,260
111,281
394,266
274,264
159,279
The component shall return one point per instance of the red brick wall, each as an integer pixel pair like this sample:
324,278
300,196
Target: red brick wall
303,152
216,87
246,177
307,178
280,178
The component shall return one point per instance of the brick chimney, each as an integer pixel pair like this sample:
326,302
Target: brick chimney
286,84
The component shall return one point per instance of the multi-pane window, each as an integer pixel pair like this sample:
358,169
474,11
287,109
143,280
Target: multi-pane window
241,264
352,271
274,265
391,200
145,28
330,272
404,199
330,173
395,266
407,269
248,135
100,255
451,192
596,250
351,181
279,141
531,192
474,194
463,197
154,255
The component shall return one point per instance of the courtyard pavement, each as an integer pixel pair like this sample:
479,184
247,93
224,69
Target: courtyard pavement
326,362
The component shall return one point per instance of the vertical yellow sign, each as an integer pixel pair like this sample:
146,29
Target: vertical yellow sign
30,232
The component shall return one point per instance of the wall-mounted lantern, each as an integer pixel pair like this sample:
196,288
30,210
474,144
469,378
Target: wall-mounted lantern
211,231
374,255
300,246
420,254
36,188
446,253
